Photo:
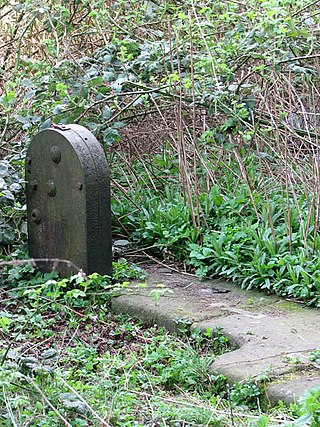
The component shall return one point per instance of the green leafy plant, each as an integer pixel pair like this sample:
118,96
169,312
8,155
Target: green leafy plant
310,409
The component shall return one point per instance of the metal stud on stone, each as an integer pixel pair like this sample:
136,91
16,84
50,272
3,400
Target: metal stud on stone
68,200
55,154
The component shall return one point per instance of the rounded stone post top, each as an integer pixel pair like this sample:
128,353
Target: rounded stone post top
68,200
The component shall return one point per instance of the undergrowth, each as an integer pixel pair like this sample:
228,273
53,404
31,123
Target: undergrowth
208,116
67,360
255,248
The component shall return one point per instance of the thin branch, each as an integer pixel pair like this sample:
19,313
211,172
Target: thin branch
102,421
34,261
55,410
299,58
305,7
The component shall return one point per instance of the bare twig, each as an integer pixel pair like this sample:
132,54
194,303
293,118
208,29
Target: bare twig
34,261
55,410
94,413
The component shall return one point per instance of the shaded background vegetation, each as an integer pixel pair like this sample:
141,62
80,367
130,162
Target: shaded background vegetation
209,115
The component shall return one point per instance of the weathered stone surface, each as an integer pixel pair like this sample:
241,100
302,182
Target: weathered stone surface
173,312
290,388
270,336
68,200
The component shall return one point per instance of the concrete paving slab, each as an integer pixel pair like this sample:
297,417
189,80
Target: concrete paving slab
172,310
289,388
270,336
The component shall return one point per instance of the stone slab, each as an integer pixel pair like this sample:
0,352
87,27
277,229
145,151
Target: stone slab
173,311
292,387
270,336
